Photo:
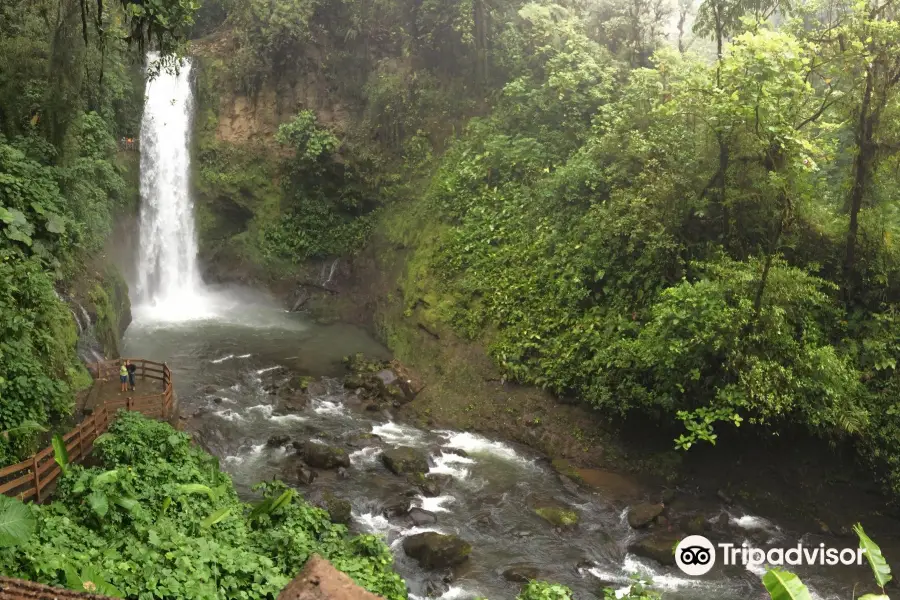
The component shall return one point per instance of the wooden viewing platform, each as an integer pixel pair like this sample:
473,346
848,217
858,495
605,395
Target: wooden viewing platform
29,478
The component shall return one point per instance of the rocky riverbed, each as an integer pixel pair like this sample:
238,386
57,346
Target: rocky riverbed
466,515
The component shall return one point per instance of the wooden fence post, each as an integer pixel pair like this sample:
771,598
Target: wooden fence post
79,436
37,479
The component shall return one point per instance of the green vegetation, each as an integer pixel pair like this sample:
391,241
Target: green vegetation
157,518
70,85
705,238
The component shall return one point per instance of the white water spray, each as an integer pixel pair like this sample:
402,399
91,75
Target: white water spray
169,281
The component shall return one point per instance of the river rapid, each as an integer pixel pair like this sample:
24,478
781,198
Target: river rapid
226,361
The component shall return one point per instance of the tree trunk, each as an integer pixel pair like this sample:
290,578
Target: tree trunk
862,174
480,20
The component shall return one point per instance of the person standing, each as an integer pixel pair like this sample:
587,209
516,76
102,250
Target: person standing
123,377
131,369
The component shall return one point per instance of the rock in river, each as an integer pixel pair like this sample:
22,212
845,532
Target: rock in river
420,517
435,550
641,515
521,573
338,508
404,460
278,440
659,547
396,509
431,484
305,475
558,515
323,456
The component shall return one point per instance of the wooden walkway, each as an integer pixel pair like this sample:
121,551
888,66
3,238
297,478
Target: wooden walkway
152,398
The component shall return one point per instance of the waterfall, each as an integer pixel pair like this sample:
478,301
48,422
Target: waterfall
168,278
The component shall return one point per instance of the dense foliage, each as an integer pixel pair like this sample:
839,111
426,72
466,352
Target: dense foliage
158,519
70,85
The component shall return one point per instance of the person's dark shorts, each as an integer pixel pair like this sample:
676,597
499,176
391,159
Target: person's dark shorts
123,378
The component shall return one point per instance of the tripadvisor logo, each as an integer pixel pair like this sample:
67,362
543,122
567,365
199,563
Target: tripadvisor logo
695,555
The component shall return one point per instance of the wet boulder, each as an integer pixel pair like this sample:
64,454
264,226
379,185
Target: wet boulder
521,573
291,404
278,440
293,396
404,460
434,550
396,509
421,517
659,546
435,588
381,381
338,508
642,515
323,456
305,475
697,525
362,440
430,484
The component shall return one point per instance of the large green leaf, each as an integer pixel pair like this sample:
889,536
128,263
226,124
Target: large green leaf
56,224
25,427
16,522
105,477
263,508
60,454
129,504
874,597
784,585
283,499
99,503
216,517
880,569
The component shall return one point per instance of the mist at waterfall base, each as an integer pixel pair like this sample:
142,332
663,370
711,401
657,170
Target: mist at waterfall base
231,347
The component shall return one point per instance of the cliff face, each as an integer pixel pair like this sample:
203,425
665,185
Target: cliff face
237,162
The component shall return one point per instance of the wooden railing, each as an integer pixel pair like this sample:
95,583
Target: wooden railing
29,478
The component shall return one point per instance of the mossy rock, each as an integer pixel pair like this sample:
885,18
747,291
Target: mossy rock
323,456
659,547
558,516
339,509
641,515
404,460
435,550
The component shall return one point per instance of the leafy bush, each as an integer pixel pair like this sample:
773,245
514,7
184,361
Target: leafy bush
327,201
37,352
157,518
542,590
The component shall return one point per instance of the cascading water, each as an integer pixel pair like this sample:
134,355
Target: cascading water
168,278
